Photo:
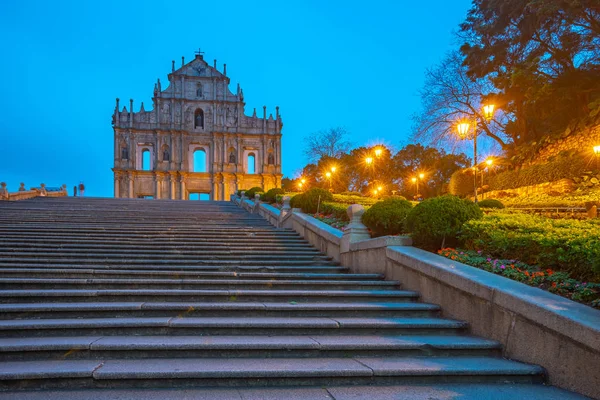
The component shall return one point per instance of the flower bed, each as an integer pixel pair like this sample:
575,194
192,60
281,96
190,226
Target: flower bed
572,246
331,220
556,282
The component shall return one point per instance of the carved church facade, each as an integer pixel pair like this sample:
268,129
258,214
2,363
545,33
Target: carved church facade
196,140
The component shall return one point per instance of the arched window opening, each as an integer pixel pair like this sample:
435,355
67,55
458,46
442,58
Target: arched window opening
199,119
251,163
199,161
145,160
199,90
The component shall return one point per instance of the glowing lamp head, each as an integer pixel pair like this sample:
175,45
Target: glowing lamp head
328,174
369,160
378,152
333,169
300,185
303,180
379,188
463,129
414,180
421,176
374,192
489,162
597,150
488,111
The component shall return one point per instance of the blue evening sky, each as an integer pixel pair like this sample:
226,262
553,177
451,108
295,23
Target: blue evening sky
346,63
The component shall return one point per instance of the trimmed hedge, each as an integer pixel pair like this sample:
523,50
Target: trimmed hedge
567,245
387,217
252,191
437,222
462,183
311,200
490,203
271,195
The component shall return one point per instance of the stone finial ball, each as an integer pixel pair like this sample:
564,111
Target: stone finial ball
3,184
355,210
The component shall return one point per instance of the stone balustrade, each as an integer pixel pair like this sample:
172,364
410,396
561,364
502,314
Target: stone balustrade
23,194
533,325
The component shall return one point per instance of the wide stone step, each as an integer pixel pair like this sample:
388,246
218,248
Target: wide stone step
331,309
83,295
172,252
123,283
130,347
140,273
429,391
217,267
45,245
228,326
195,372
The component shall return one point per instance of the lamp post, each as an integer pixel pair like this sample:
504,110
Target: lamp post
463,132
488,164
416,181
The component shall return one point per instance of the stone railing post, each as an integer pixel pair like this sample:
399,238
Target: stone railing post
64,188
256,203
243,195
43,191
285,209
22,187
356,231
3,191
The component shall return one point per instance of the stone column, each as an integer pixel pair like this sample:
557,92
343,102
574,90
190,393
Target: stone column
130,178
173,178
182,179
158,179
117,184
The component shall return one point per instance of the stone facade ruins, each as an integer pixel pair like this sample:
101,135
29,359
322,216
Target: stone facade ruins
196,140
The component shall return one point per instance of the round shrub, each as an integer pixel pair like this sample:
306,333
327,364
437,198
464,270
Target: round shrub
296,201
252,191
271,195
436,223
462,183
490,203
387,217
310,201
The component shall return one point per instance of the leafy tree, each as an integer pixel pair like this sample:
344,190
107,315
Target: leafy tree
543,58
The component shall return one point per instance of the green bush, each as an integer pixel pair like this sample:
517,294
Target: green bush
571,246
271,195
437,222
490,203
296,201
387,217
312,199
462,183
252,191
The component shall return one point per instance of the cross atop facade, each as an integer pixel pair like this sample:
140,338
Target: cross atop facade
199,53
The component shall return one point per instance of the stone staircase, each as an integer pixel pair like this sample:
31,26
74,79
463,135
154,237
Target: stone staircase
128,298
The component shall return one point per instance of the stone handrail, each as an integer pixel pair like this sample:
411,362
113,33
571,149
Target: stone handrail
533,325
24,194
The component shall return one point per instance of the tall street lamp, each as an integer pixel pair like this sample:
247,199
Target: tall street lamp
463,132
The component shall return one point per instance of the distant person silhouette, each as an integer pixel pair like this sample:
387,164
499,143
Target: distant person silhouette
75,191
81,189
